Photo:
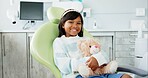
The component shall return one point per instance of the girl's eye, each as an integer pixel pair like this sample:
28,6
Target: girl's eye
79,23
90,46
70,22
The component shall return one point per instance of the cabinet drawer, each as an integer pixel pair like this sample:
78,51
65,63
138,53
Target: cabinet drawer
125,40
126,61
124,54
127,48
126,34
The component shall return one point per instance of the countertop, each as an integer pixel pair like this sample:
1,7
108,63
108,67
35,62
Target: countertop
31,31
90,30
112,30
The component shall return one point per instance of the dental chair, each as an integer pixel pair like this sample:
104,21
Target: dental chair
42,40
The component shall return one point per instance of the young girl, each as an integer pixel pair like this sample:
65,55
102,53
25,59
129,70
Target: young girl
65,48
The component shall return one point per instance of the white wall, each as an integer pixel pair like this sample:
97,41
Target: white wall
115,14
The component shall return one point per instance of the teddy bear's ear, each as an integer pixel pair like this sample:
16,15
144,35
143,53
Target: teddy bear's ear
91,40
95,40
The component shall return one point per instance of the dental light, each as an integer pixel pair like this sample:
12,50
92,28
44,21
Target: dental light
12,12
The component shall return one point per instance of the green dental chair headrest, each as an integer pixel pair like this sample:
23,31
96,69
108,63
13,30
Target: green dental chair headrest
54,14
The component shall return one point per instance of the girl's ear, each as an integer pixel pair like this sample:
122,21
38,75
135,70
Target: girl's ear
63,26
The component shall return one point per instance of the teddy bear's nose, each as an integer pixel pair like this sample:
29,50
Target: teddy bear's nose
96,46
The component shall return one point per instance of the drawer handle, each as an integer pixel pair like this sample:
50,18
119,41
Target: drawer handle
139,57
132,34
4,54
30,57
31,62
131,47
110,53
132,41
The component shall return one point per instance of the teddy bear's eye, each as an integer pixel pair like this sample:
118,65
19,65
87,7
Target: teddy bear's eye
90,46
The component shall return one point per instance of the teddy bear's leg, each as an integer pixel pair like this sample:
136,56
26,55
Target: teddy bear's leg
111,67
85,71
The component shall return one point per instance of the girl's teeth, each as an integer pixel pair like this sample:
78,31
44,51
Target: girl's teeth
73,30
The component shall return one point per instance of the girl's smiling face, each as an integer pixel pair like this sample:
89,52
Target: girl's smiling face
72,27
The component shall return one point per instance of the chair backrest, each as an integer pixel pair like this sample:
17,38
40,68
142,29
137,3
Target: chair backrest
42,40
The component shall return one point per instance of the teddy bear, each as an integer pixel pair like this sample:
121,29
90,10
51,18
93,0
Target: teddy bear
90,47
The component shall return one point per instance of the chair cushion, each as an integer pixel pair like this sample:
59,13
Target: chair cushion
41,46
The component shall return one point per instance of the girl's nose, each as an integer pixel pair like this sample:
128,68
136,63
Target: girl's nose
74,26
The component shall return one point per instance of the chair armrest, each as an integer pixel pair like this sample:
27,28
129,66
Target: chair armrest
133,70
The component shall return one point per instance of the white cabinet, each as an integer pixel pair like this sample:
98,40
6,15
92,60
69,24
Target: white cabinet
106,45
16,60
124,47
14,57
36,69
0,56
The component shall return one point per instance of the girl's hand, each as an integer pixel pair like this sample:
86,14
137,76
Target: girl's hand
92,63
